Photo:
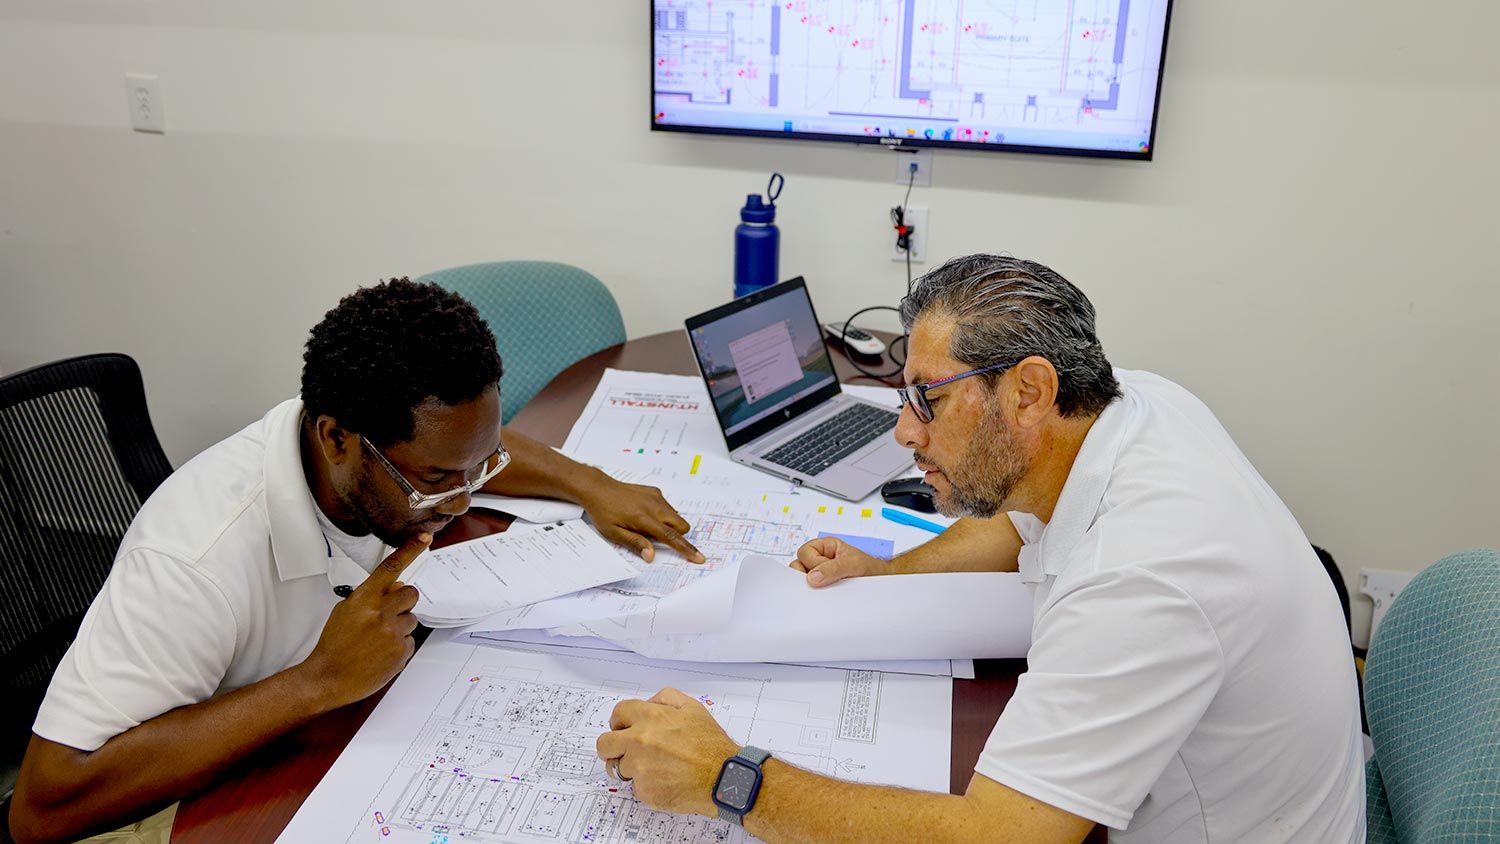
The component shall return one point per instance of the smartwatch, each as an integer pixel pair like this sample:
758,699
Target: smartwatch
739,784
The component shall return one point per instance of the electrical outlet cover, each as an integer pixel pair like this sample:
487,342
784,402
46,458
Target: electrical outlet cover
916,217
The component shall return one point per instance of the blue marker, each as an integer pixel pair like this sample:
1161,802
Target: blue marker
901,518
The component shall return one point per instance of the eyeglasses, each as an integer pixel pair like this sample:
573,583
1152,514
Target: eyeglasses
916,394
425,501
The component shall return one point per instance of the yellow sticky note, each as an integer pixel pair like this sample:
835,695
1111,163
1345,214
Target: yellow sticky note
786,508
822,508
865,513
841,511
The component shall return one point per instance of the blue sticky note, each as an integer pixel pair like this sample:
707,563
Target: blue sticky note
872,545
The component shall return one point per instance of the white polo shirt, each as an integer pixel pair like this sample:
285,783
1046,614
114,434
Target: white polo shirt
225,577
1190,677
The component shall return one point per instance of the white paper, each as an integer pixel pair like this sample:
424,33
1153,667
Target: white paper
494,744
644,413
654,415
698,604
909,616
464,582
728,524
535,510
958,668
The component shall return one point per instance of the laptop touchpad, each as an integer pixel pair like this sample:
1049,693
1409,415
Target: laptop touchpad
883,461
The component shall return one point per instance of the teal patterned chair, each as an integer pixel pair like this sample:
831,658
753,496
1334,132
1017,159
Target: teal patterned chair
1432,690
546,317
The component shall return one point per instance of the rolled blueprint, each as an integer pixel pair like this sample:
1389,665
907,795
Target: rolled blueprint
777,617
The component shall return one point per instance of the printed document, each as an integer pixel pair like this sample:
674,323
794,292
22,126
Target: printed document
465,582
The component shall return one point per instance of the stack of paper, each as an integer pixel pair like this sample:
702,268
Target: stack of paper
463,583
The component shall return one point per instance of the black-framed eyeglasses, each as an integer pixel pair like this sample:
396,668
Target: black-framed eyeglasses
426,501
916,394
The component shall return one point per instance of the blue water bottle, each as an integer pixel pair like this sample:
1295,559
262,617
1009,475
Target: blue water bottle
757,242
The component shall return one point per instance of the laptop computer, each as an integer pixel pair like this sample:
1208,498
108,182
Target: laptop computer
778,401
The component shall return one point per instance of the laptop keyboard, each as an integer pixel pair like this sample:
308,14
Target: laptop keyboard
833,439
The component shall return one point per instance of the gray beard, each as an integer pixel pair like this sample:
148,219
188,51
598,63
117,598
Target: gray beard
991,470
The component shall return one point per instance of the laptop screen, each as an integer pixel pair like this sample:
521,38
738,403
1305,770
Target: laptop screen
761,355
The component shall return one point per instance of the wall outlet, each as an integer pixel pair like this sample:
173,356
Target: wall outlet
916,217
1382,587
905,158
143,94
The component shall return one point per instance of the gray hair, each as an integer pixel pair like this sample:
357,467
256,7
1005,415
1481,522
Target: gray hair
1006,310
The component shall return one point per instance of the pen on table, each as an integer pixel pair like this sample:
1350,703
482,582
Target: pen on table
901,518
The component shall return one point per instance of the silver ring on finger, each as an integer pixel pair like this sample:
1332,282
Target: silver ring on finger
614,770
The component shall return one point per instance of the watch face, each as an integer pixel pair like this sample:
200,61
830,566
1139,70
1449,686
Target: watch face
736,785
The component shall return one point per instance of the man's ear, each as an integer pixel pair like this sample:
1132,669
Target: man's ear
1036,386
336,443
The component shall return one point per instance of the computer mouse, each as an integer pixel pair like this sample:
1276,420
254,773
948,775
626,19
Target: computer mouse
911,493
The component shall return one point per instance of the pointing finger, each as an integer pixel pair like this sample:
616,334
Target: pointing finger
385,574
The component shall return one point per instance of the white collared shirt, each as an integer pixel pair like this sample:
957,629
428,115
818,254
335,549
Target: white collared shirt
224,578
1190,677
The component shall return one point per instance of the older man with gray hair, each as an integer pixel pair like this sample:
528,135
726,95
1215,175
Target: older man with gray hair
1189,678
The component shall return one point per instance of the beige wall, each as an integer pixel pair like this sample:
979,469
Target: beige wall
1313,251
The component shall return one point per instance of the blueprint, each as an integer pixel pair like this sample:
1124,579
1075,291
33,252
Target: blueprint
777,617
957,668
490,744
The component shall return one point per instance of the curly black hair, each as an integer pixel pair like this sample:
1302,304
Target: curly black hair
386,349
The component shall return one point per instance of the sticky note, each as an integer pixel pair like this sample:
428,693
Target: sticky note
872,545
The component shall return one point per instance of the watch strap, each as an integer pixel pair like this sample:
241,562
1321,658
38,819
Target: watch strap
754,755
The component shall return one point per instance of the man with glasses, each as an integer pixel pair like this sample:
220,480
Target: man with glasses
1189,677
258,587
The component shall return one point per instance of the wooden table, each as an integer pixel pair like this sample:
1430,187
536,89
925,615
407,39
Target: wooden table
254,800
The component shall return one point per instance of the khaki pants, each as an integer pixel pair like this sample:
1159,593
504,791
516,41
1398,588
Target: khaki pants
156,829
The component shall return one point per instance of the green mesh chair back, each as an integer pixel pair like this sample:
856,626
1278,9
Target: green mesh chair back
1432,690
546,317
78,455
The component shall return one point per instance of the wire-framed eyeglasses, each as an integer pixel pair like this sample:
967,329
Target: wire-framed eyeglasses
916,394
426,501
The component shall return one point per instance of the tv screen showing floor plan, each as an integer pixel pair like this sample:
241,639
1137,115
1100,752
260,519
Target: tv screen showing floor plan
1070,77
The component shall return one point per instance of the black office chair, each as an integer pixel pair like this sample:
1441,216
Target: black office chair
78,455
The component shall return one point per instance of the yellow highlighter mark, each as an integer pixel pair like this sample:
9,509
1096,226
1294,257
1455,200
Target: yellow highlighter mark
822,508
697,461
865,513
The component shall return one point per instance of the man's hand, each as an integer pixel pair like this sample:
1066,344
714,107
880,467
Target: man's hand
829,559
671,748
634,516
367,639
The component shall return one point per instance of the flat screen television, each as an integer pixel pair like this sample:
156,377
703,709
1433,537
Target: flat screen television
1065,77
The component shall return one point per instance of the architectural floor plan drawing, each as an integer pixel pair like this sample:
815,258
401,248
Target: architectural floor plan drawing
496,744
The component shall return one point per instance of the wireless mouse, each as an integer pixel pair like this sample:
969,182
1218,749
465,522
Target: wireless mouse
911,493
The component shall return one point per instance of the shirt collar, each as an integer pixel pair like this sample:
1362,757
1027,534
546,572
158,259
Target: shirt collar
297,541
1083,492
